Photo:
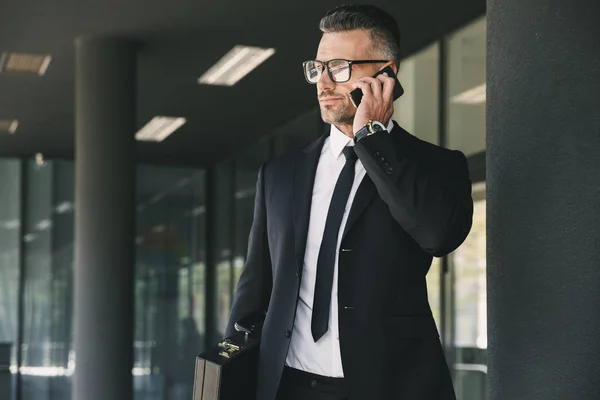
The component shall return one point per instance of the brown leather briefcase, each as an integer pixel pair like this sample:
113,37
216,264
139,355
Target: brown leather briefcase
227,371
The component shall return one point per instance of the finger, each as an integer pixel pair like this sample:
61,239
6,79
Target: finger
376,86
365,87
388,87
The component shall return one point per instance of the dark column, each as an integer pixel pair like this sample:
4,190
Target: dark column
104,219
543,173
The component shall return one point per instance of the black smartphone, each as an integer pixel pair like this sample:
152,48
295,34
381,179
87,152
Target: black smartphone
357,94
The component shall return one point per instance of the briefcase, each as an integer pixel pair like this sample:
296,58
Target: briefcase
227,371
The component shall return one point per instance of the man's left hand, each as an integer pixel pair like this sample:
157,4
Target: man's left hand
377,103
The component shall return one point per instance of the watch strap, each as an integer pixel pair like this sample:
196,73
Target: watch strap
362,132
370,128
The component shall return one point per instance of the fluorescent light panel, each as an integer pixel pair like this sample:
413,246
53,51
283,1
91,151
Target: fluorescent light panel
477,95
235,65
27,63
8,125
159,128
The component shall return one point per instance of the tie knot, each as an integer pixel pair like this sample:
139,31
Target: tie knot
350,154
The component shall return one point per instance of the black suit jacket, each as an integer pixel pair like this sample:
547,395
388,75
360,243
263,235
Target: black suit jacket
413,203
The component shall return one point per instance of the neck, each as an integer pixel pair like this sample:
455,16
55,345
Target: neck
348,130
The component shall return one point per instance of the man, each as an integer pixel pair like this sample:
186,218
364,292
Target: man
344,232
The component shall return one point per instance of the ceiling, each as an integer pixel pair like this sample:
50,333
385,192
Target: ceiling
179,40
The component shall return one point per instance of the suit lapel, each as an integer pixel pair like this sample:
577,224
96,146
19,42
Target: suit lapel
363,197
305,169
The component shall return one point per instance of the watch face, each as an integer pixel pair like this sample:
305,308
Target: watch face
377,126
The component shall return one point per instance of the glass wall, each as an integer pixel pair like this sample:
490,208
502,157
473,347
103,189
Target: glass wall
417,111
170,281
170,324
465,131
466,77
223,189
47,348
470,306
10,225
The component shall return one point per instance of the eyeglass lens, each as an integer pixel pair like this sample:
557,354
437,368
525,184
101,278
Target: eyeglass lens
339,69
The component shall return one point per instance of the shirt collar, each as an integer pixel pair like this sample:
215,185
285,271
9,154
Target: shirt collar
339,140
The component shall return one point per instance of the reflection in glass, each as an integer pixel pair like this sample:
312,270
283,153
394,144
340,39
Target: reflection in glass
170,281
223,187
470,305
10,214
47,349
467,88
417,110
470,278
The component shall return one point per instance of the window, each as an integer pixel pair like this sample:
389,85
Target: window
417,110
470,305
466,86
10,225
170,280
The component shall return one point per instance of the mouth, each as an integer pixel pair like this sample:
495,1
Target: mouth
330,100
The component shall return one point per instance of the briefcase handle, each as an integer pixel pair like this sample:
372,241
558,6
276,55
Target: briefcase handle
251,323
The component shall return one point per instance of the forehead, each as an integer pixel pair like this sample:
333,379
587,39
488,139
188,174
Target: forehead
351,45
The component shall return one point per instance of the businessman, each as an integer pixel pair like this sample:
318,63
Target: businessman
344,233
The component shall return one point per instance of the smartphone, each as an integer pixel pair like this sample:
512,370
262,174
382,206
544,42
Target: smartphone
357,94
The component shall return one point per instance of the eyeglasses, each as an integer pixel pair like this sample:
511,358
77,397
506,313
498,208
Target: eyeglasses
339,70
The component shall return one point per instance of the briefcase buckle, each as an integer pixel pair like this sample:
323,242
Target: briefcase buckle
229,349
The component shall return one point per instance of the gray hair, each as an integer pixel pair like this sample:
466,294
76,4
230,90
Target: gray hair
385,33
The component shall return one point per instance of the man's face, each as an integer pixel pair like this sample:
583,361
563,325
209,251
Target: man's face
334,98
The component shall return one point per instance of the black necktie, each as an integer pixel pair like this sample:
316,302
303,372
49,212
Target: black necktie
326,260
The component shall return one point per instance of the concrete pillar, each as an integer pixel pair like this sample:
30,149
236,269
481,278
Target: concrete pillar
543,184
104,219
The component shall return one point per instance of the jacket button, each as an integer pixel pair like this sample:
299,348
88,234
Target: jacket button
377,154
288,333
389,170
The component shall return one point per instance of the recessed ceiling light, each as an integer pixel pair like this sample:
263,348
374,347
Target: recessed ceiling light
235,65
476,95
8,125
22,62
159,128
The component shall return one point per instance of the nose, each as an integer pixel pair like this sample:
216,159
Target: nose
325,83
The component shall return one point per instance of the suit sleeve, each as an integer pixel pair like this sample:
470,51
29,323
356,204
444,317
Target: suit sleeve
432,203
255,283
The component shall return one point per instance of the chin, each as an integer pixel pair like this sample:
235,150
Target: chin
333,116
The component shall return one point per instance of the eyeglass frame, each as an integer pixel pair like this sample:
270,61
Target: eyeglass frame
350,64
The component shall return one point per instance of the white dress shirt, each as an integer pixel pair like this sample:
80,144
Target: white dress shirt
323,357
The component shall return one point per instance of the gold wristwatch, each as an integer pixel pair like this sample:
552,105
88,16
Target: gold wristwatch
370,128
